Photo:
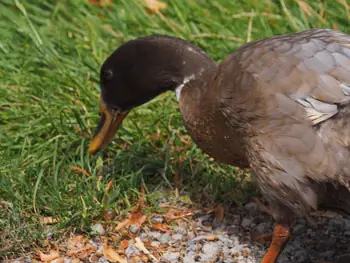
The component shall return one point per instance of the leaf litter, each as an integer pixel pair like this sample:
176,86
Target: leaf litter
114,244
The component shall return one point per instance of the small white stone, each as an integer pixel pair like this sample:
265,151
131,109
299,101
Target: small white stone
98,229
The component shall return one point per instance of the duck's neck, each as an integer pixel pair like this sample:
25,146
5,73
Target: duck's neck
197,106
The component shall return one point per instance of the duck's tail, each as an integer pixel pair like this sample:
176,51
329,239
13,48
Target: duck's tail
335,197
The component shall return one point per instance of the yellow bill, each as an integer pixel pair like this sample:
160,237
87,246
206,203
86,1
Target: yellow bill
109,123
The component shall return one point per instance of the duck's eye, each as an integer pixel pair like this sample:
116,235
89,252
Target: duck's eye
108,74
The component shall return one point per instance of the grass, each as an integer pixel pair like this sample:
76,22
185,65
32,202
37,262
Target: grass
50,55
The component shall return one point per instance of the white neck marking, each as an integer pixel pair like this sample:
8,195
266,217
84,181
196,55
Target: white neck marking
179,88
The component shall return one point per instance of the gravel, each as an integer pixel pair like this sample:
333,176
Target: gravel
327,239
203,239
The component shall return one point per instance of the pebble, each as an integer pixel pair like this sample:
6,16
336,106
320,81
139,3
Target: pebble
252,208
177,237
133,229
246,222
298,229
97,229
131,250
165,238
326,240
347,233
336,224
233,230
236,220
157,219
263,227
172,257
190,257
209,251
102,260
180,230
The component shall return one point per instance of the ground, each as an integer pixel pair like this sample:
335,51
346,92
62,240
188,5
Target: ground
50,55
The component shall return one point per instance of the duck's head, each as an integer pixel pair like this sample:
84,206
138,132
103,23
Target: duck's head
140,70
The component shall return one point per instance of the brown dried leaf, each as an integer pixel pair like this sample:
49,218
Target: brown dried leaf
109,185
109,215
76,239
160,227
174,214
48,257
111,255
81,253
49,220
123,244
154,5
80,170
137,219
140,246
122,224
108,188
219,213
212,238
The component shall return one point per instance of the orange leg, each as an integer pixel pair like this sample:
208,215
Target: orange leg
281,234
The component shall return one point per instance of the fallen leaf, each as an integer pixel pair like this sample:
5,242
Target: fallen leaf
140,246
219,213
111,255
122,224
48,257
48,220
76,260
109,185
212,238
59,260
80,170
123,244
160,227
135,218
109,215
154,5
108,188
83,252
175,214
245,253
75,240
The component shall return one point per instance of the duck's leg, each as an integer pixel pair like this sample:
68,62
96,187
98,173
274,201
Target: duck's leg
280,236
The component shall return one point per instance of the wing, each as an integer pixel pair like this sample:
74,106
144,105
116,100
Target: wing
274,91
311,67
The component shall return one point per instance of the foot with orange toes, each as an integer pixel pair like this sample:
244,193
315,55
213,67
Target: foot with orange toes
279,239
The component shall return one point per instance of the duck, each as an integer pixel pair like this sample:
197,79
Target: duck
278,105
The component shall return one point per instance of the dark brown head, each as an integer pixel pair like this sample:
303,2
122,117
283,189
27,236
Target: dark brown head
140,70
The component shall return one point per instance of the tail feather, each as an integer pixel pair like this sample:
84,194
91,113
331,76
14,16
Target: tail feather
335,198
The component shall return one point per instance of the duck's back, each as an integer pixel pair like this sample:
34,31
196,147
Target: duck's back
289,97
